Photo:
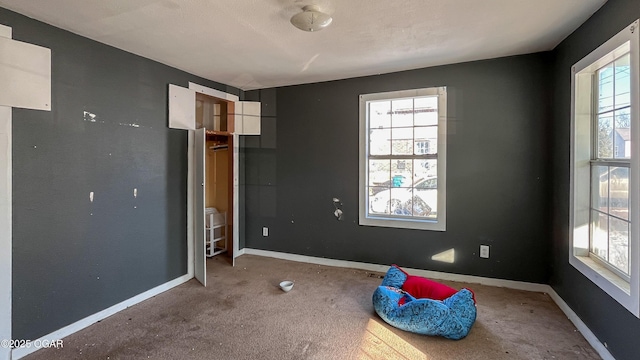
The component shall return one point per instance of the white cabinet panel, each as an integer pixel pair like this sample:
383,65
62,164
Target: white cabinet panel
5,31
247,117
212,92
251,108
250,125
25,75
182,108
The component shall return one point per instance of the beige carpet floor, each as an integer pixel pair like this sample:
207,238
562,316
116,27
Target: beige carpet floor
242,314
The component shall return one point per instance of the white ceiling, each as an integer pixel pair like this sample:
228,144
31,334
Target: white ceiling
250,44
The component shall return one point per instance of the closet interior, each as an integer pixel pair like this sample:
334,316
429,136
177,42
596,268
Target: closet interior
213,114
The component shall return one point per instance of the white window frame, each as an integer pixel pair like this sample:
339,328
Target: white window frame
439,224
624,291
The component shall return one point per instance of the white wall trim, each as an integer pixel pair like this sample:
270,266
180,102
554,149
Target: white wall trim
92,319
5,218
581,326
518,285
5,228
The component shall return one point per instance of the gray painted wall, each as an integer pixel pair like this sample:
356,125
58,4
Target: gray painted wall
73,258
609,321
497,182
508,160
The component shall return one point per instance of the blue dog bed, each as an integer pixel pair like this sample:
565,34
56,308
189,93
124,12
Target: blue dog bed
451,318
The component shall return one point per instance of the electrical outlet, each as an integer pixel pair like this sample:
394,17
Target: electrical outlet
484,251
265,231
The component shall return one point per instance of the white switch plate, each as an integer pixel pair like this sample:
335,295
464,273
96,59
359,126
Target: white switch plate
484,251
265,231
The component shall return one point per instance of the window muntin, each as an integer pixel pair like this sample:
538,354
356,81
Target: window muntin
402,158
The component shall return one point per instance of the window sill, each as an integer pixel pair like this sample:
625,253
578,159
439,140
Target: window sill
609,282
605,273
433,225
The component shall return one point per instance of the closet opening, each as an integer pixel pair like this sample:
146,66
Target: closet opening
213,114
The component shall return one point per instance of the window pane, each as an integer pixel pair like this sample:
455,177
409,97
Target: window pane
401,173
619,191
426,111
398,202
619,244
379,172
402,141
425,168
622,135
622,82
380,142
605,88
599,234
605,138
424,202
379,114
426,140
402,112
600,188
379,202
418,207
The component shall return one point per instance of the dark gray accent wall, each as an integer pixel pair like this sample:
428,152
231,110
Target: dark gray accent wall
73,257
609,321
497,182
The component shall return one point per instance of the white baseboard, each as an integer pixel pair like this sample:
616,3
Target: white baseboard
518,285
92,319
581,326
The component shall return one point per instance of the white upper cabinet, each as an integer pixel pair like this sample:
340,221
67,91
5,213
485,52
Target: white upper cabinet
212,92
247,117
238,117
182,108
25,73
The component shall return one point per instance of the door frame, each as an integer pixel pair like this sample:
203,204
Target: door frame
191,245
6,248
6,252
29,87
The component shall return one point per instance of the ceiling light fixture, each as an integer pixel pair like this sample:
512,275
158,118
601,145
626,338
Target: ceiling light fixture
311,19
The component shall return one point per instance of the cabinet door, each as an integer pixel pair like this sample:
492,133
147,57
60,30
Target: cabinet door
250,125
25,75
200,266
247,117
182,108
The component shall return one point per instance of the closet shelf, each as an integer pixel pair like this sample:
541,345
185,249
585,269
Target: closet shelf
217,133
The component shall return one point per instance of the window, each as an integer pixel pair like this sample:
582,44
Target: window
422,147
403,159
605,168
